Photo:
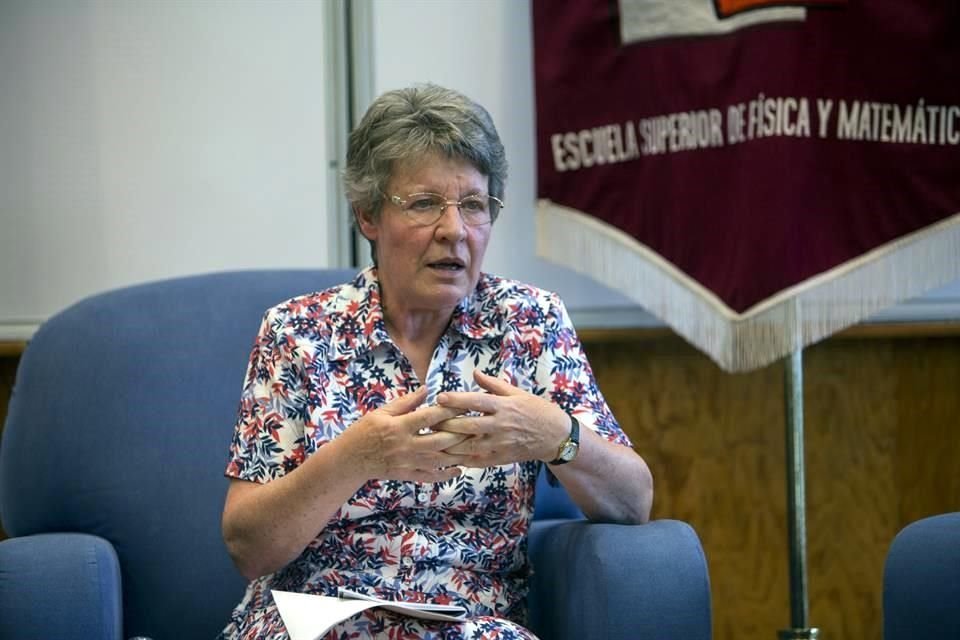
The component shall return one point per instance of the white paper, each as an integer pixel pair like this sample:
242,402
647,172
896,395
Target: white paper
427,610
308,617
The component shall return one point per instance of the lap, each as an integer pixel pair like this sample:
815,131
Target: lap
377,624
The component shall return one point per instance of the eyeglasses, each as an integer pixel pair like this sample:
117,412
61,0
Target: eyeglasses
426,208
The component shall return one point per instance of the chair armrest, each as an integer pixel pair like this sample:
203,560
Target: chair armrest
612,581
60,585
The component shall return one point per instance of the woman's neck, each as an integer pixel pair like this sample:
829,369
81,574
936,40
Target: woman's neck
417,327
416,335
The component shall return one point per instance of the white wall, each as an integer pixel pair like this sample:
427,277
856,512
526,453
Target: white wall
142,140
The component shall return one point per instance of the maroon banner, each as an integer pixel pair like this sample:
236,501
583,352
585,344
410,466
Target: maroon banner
758,174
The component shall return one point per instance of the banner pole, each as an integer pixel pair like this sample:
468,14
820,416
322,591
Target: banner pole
796,501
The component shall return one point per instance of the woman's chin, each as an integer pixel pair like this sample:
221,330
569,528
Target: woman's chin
447,293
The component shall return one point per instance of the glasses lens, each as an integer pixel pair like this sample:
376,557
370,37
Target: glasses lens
425,203
475,209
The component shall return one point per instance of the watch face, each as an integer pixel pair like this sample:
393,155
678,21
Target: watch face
569,451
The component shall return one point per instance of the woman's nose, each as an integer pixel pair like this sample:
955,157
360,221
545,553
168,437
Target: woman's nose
451,226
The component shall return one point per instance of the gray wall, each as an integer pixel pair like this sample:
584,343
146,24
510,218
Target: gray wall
142,140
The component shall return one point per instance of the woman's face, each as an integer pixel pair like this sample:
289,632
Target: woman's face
428,268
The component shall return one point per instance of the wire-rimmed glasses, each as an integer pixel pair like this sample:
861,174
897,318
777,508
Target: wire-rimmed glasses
426,208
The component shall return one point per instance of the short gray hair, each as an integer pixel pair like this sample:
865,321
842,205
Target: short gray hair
406,124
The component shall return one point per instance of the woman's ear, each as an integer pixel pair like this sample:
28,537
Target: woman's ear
367,223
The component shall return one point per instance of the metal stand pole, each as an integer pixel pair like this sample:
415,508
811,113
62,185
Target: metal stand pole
796,503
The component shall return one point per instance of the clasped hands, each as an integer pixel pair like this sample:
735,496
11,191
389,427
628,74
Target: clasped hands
464,429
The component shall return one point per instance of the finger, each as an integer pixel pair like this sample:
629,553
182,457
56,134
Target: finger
427,417
405,403
494,385
471,450
468,425
468,401
464,449
439,440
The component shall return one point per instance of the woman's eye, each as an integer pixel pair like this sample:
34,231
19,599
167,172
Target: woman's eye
424,204
473,205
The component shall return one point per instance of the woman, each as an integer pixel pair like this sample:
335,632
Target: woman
391,429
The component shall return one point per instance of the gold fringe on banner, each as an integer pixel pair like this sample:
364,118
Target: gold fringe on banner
789,320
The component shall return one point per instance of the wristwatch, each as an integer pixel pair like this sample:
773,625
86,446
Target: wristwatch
569,447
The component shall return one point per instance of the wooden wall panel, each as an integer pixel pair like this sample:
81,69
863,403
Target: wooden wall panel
928,432
8,368
882,442
715,446
9,357
851,517
882,445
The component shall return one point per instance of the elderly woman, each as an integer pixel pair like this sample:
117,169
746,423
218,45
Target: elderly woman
391,429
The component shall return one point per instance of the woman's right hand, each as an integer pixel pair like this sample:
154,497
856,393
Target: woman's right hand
396,442
265,526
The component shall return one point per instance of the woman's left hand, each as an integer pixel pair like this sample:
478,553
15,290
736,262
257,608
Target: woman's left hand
513,425
610,482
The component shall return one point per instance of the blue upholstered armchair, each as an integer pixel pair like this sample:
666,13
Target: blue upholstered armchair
921,581
111,483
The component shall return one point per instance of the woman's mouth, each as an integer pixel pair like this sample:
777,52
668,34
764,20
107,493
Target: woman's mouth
447,265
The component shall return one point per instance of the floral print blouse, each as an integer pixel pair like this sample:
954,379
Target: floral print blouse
320,362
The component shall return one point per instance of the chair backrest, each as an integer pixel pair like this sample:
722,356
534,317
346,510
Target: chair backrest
118,426
921,581
553,502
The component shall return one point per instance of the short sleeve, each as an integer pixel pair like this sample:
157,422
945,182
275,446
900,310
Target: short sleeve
268,439
565,373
